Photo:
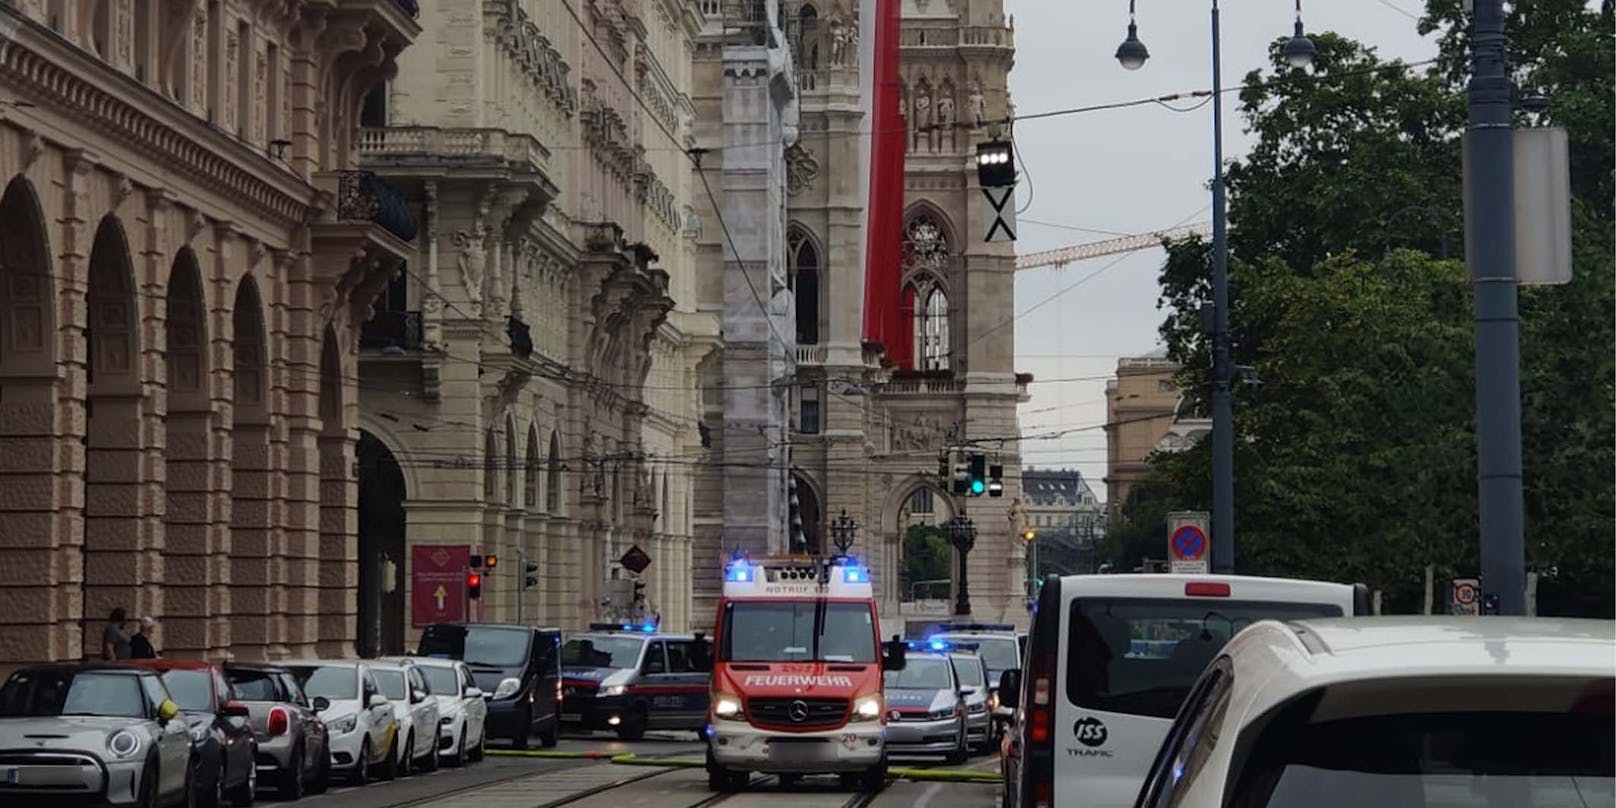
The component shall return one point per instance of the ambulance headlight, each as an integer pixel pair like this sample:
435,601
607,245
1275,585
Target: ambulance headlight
727,707
612,690
867,708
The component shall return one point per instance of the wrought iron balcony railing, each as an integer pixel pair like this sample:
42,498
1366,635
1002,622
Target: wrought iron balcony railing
392,329
363,196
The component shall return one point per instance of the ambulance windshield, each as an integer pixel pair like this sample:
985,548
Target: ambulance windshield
798,631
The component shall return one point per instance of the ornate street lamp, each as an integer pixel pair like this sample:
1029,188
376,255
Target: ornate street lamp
842,531
962,534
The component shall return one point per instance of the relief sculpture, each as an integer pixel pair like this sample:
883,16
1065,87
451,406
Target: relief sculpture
924,433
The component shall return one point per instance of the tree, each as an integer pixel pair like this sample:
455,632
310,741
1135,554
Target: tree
927,555
1355,457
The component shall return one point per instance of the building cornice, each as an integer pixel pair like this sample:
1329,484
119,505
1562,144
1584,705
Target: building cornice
58,76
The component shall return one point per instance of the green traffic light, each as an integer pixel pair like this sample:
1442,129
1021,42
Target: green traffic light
977,486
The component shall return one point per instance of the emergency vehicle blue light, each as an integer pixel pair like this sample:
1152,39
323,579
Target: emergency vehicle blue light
739,573
939,645
648,628
855,575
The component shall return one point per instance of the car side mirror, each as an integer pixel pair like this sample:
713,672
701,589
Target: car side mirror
376,700
167,711
474,692
896,657
417,696
1010,688
235,709
321,704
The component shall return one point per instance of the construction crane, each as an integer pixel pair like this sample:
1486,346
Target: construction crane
1112,246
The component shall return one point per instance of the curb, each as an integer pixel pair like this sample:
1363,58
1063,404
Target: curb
630,759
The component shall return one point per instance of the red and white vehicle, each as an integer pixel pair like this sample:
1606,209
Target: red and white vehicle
796,674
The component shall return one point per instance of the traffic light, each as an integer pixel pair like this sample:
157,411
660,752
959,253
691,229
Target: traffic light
531,571
474,584
979,475
995,480
962,478
490,561
1029,535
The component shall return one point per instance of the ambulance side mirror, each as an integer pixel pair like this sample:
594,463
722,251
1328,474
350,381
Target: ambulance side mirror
896,655
701,655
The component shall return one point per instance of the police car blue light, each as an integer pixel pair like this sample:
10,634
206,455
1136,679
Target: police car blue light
739,573
649,628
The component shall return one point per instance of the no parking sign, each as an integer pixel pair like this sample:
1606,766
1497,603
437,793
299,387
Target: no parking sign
1189,551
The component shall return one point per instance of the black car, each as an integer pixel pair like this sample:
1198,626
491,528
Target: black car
224,749
517,667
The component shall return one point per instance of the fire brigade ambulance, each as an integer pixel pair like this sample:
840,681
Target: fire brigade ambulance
797,667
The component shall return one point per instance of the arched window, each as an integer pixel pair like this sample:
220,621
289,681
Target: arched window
552,476
805,285
490,465
933,349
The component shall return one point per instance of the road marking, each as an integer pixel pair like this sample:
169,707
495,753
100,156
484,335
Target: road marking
925,796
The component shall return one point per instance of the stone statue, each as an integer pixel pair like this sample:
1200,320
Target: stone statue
840,37
470,263
945,112
978,105
922,113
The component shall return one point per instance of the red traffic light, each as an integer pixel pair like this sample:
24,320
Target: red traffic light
474,585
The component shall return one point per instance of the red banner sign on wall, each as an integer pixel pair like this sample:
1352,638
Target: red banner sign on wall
438,583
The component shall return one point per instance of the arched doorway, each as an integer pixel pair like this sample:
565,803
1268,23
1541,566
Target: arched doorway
925,557
189,574
337,497
381,548
807,516
252,590
113,543
28,373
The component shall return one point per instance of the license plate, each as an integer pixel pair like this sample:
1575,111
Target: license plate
571,716
790,753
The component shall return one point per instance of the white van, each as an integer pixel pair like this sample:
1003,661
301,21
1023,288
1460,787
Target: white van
1109,660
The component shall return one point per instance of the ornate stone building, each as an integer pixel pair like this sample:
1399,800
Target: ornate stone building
186,255
528,388
865,422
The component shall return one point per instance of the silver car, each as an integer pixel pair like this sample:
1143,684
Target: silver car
972,674
95,733
925,711
294,750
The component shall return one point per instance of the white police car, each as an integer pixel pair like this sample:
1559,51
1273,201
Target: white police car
926,712
630,677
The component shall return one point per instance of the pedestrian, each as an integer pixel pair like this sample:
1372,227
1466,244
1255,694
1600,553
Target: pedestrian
140,646
115,643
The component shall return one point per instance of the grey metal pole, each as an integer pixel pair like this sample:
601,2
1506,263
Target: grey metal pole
1491,256
1222,398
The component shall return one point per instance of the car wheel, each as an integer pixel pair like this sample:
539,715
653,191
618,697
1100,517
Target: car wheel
290,784
215,796
632,725
874,778
481,747
961,751
322,774
148,783
406,756
361,769
431,761
188,796
247,792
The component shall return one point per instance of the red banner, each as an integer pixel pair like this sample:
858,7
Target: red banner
438,583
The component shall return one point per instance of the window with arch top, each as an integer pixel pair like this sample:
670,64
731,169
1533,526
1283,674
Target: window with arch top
927,261
804,285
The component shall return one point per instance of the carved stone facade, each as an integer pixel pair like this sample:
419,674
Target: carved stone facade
530,380
186,254
865,435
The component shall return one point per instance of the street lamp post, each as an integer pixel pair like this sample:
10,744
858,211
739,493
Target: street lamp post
962,533
842,531
1298,53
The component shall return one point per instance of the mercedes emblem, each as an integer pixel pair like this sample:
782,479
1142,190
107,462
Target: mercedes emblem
798,711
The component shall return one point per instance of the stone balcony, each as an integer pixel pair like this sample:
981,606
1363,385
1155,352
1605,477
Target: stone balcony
812,355
468,149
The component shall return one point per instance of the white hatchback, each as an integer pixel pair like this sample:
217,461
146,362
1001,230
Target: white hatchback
1108,662
359,721
462,708
1479,712
416,711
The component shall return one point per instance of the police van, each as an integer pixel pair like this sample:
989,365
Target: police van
1109,660
631,677
1000,648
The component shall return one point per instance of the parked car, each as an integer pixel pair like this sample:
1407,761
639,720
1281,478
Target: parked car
293,749
519,666
416,711
462,707
98,733
360,725
925,705
1393,711
225,749
972,674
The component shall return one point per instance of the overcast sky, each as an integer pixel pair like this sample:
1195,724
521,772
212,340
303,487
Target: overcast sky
1129,171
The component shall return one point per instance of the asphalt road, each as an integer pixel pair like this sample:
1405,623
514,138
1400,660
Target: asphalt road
530,782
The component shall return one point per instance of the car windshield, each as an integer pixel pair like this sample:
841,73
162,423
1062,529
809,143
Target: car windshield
31,694
441,681
1452,760
391,683
998,653
477,645
968,671
333,682
1141,655
921,673
254,685
602,651
797,631
191,690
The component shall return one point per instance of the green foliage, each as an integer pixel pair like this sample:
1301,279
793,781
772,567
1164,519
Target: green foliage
1356,454
927,555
